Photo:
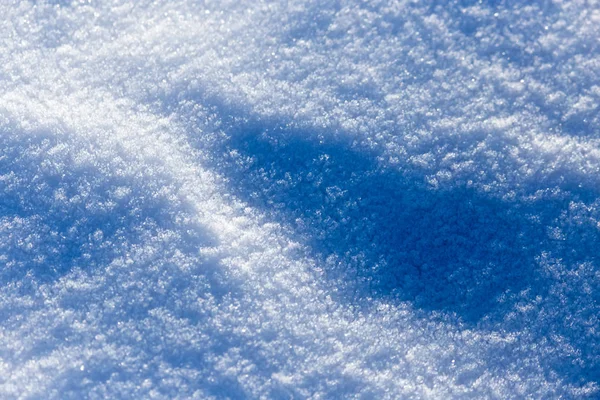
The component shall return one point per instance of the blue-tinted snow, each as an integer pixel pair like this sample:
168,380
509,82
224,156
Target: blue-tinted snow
299,199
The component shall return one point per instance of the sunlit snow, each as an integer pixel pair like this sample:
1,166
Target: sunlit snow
299,199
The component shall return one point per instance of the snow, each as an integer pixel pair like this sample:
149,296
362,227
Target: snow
299,199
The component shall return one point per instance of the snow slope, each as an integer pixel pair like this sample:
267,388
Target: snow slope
299,199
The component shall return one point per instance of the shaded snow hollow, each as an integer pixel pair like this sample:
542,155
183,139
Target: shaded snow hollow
299,199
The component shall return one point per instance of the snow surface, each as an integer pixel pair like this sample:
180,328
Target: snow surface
299,199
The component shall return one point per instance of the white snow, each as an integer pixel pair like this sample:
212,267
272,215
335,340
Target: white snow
299,199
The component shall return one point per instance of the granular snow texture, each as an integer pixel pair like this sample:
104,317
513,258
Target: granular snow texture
299,199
